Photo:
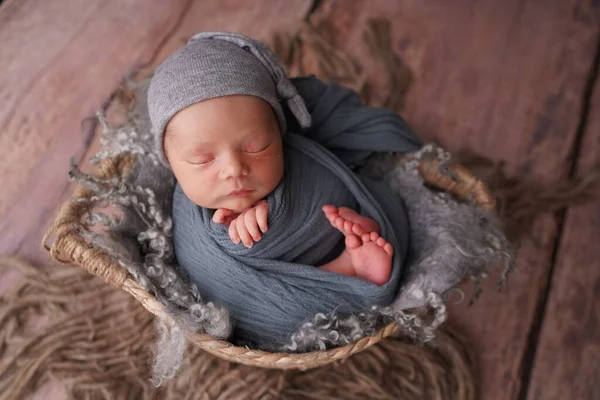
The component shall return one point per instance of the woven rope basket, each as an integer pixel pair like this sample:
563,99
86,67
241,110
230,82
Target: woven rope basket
69,247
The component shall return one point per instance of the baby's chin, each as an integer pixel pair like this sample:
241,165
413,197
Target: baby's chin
236,204
239,205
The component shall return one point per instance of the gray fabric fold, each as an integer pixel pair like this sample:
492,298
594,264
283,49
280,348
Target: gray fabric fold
273,287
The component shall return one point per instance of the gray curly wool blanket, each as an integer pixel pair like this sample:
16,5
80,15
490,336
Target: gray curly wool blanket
273,287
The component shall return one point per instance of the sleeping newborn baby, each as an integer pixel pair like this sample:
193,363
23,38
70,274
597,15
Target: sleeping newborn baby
233,145
270,219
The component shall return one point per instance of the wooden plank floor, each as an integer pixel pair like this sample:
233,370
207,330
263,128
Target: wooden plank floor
511,80
569,343
507,80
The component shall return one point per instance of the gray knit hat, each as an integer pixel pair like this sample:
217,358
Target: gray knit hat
216,64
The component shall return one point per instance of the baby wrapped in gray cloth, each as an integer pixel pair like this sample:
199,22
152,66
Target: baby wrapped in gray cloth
247,144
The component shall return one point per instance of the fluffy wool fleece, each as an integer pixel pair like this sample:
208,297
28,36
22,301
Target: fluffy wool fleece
449,241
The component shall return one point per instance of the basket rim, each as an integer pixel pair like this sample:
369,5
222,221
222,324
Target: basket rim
256,357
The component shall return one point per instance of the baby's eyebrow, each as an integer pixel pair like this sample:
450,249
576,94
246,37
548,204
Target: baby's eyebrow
203,147
199,148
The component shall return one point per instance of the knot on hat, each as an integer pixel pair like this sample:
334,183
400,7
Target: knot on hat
288,93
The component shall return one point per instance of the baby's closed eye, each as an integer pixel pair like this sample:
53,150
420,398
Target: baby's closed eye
257,146
201,159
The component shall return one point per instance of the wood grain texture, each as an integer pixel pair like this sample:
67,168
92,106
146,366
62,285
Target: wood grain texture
62,60
505,79
567,363
51,88
257,19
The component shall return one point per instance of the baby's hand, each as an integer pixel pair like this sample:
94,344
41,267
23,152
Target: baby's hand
247,225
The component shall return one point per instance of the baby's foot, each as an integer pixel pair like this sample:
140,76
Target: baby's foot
349,221
371,257
369,253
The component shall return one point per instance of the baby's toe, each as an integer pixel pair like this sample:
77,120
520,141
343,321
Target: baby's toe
347,212
381,242
374,236
367,224
338,222
389,249
331,219
352,242
357,229
366,237
348,227
329,209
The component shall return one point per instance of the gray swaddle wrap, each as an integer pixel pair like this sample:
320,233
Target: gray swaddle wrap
271,288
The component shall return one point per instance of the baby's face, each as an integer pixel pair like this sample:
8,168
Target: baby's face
225,152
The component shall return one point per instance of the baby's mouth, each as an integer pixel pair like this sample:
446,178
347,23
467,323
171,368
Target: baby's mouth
241,193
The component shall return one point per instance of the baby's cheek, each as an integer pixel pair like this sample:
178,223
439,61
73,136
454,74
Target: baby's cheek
202,190
267,168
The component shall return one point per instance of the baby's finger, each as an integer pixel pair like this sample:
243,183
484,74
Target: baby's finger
220,215
233,233
252,225
229,219
243,231
262,213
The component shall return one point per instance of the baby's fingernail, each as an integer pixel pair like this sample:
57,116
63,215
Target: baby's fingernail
263,230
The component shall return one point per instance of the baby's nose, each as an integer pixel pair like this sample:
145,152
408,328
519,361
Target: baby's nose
234,167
